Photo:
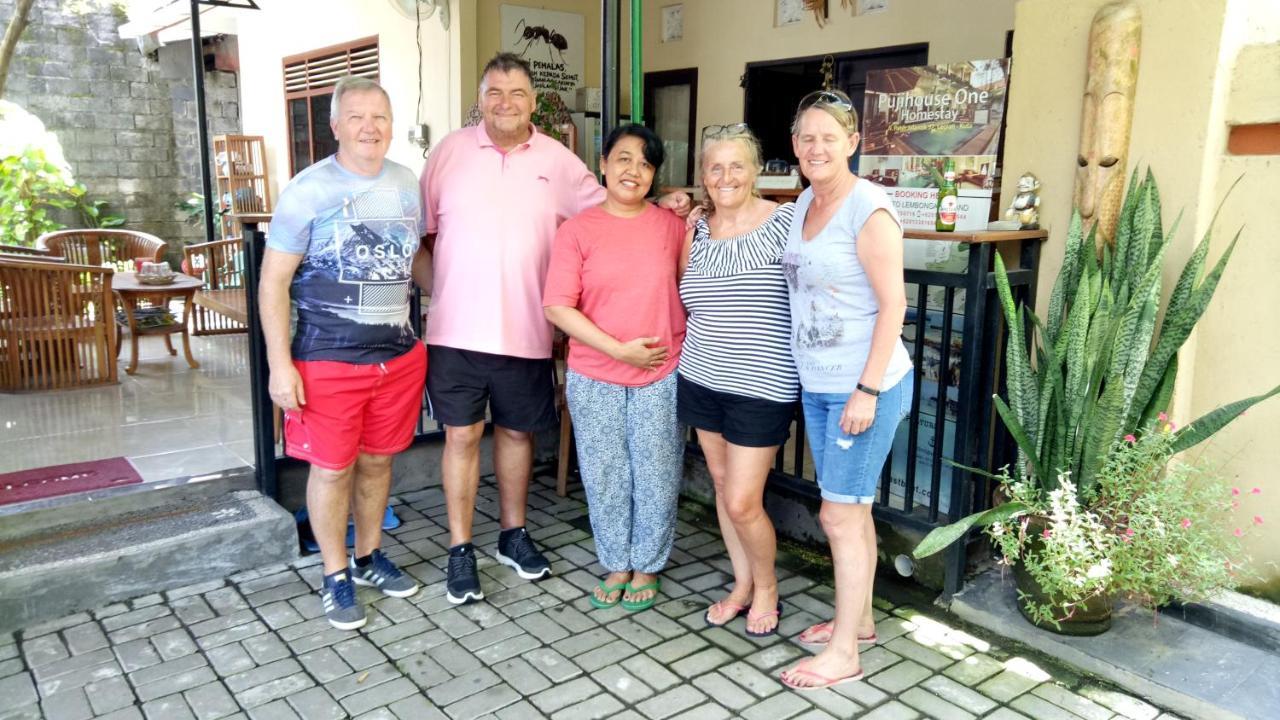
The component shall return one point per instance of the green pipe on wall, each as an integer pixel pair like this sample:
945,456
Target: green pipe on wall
637,68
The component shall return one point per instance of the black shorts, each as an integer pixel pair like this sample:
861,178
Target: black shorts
741,420
520,392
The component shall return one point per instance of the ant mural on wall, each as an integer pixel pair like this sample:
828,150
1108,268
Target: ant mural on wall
552,39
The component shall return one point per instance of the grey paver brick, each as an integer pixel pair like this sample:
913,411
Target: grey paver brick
654,674
596,708
78,679
1007,685
279,614
24,712
957,694
1006,714
109,694
144,630
564,694
773,657
607,655
417,707
276,710
323,664
933,706
422,670
451,691
134,617
674,649
357,652
724,691
129,713
147,600
912,650
211,701
229,659
110,610
1077,704
264,674
415,644
833,703
555,666
490,636
173,644
863,693
172,707
973,669
196,589
900,676
234,634
175,683
1040,709
733,644
1126,705
44,650
265,648
454,623
454,659
84,638
265,582
483,703
399,631
569,618
163,670
282,688
276,594
583,642
751,679
53,625
355,682
892,710
778,707
376,697
519,674
225,601
623,684
698,663
399,610
12,666
73,664
523,710
710,711
507,649
218,623
673,701
542,627
69,705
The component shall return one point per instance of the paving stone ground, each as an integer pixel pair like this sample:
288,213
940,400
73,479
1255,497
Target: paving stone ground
256,645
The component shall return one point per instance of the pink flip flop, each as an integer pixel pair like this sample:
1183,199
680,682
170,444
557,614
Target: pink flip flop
735,607
789,677
756,618
871,639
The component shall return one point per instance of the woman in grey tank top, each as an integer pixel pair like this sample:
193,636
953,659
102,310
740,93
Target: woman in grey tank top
843,265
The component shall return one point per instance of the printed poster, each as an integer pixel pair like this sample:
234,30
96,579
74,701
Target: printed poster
551,42
915,118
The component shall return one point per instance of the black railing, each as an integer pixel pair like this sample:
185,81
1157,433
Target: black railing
953,332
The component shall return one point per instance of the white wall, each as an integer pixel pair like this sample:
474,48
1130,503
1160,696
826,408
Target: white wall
288,27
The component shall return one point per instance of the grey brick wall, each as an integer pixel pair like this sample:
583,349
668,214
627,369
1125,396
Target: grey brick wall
126,121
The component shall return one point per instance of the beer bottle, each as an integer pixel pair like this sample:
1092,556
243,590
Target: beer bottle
948,199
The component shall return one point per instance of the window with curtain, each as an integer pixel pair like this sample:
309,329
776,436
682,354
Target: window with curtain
308,88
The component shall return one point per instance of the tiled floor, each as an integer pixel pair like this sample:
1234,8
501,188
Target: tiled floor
254,645
169,419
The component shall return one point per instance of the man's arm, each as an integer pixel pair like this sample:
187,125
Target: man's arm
421,269
285,384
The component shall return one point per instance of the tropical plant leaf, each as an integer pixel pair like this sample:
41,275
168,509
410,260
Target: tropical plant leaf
1064,287
1124,231
1155,239
1020,381
1206,425
941,537
1025,444
1160,399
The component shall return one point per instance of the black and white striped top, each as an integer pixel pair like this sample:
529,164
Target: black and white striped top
739,336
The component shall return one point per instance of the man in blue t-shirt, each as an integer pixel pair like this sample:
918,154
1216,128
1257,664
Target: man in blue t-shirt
342,240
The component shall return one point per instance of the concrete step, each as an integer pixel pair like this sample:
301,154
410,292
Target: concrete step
159,542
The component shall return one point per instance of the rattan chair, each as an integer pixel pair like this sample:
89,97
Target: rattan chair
24,250
95,247
221,265
57,326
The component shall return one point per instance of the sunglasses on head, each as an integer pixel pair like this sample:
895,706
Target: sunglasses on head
712,131
825,97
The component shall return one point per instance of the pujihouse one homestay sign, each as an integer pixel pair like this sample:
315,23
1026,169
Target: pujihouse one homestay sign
551,42
914,118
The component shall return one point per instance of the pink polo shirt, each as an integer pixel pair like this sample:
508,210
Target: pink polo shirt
621,273
495,215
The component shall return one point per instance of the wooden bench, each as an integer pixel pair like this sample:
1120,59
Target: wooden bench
220,306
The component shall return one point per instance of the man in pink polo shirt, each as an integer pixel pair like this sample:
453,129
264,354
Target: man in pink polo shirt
494,195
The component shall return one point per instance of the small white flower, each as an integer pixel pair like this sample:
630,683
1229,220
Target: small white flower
1173,560
1099,570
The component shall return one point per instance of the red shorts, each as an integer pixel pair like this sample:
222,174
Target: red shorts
352,409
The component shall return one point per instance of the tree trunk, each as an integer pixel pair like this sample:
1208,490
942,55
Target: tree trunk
17,24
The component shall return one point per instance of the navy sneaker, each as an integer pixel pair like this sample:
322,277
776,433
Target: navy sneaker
463,585
384,575
338,598
517,551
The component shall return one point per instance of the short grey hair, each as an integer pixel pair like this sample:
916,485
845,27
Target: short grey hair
351,83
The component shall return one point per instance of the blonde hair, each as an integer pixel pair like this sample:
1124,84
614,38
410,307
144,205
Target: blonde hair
834,103
755,158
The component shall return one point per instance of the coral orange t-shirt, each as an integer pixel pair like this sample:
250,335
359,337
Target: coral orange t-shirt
620,273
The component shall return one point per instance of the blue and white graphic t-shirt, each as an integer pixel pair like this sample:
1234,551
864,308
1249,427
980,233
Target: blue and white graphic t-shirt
357,236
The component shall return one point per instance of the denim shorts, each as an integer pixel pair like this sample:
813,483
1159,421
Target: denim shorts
849,466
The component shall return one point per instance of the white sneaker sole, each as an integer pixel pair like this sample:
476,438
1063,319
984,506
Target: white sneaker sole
389,593
546,573
467,597
353,625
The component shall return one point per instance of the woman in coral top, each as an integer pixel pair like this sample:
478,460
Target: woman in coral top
612,286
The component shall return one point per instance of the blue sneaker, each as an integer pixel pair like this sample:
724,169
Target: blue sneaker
338,598
384,575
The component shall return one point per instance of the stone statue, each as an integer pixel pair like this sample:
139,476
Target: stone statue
1025,208
1115,41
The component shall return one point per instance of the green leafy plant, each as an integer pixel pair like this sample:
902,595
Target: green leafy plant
1154,528
192,208
1104,368
32,188
550,114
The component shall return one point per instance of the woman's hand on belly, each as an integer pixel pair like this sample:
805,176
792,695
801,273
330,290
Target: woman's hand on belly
639,353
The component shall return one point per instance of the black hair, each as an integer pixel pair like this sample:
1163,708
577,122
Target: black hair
653,150
505,62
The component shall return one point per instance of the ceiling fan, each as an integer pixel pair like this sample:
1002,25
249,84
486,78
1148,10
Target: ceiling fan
424,9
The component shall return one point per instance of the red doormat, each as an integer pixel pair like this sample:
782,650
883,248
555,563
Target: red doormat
57,480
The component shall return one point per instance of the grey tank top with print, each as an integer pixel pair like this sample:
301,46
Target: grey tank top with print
833,307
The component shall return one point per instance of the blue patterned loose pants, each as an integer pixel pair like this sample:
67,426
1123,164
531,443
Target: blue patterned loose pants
631,458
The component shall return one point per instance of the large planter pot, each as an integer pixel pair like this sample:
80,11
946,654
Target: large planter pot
1093,618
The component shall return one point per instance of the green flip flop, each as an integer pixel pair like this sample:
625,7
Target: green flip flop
656,585
608,589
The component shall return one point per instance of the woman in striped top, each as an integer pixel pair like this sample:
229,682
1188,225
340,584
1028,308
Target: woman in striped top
737,382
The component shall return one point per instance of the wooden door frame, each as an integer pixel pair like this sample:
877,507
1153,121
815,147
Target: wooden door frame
668,78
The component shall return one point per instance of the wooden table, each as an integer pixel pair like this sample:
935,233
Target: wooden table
130,292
